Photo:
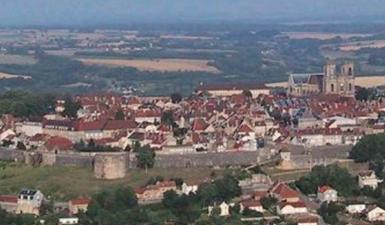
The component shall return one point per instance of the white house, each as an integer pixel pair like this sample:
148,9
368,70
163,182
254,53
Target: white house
224,209
368,178
288,208
355,208
376,214
251,204
70,221
327,194
189,188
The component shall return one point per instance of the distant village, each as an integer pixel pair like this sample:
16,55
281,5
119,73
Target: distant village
318,110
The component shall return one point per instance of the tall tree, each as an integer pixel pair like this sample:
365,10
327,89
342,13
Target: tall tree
119,115
145,157
71,107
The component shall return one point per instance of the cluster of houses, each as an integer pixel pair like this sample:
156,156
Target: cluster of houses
31,202
214,119
289,203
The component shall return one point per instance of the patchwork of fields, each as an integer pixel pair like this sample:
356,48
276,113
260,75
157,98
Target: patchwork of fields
10,76
162,65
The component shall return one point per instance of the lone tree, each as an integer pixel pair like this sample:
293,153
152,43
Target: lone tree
167,118
71,107
145,157
247,93
119,115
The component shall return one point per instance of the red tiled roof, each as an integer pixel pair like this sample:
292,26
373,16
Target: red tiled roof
58,142
80,201
120,124
8,198
324,188
133,100
244,128
90,125
284,191
199,125
299,204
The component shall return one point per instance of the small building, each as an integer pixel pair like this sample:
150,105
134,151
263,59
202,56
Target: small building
288,208
189,188
251,204
284,193
369,179
69,221
29,202
355,208
154,193
376,214
78,205
224,209
327,194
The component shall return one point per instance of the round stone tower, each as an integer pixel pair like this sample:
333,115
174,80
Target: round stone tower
110,166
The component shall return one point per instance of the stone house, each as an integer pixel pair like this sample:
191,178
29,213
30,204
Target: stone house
78,205
29,202
154,193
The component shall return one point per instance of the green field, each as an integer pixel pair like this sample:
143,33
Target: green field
69,182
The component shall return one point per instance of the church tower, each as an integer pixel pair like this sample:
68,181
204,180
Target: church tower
330,78
346,79
341,83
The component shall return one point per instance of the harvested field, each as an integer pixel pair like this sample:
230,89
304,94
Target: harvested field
17,59
163,65
321,36
369,81
355,46
10,76
186,37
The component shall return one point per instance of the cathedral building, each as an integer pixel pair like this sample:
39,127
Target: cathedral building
333,80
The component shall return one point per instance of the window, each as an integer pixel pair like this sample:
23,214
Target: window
350,71
350,87
341,87
332,87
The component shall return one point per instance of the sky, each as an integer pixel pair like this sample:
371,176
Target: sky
93,12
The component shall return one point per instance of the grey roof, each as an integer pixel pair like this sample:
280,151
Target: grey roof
302,78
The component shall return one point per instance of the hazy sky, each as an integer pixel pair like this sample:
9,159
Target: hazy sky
77,12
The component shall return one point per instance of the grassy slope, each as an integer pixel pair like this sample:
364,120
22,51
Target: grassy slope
69,182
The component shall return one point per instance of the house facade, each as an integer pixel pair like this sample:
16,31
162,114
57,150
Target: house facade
327,194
